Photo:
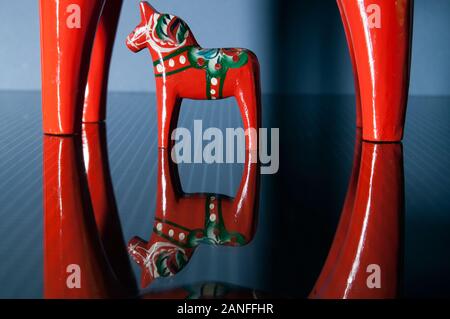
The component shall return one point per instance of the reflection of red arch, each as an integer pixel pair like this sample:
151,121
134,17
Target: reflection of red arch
370,227
81,225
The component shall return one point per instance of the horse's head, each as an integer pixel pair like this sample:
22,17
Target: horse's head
160,32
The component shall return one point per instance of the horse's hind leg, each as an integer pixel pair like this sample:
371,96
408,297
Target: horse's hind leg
67,35
248,96
97,85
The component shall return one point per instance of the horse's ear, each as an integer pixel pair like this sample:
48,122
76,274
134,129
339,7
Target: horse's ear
146,10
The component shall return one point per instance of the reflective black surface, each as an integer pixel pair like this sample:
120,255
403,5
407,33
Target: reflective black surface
299,206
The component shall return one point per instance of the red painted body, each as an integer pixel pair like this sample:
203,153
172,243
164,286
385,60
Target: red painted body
81,225
181,219
66,48
179,77
379,36
369,231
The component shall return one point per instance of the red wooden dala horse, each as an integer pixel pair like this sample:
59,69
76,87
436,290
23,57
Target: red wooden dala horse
185,70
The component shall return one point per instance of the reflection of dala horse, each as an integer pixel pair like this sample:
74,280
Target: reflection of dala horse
184,221
185,70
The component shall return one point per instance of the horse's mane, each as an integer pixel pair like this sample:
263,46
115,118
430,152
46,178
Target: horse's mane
171,28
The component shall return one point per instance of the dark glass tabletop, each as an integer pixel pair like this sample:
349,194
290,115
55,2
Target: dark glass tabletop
299,207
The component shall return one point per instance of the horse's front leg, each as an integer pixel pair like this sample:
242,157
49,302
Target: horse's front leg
248,96
168,105
67,35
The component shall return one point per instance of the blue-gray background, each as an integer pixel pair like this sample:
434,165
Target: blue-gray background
304,34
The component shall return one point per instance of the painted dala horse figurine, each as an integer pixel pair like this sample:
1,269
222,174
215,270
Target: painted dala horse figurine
185,70
184,221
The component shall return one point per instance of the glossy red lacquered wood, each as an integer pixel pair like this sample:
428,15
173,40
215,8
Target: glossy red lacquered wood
348,36
379,35
183,221
72,245
104,204
370,228
67,34
185,70
97,85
